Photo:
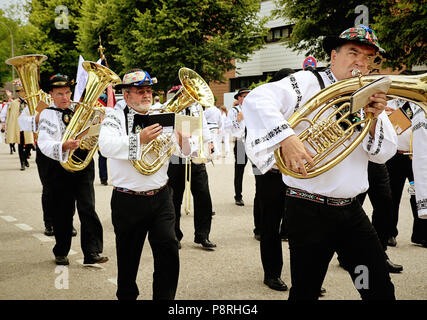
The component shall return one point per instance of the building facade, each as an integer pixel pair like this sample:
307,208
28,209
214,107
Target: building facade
262,63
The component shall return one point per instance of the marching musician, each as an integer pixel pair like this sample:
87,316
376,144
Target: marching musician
419,167
322,214
235,124
269,208
69,189
14,134
28,122
400,168
214,121
199,185
140,204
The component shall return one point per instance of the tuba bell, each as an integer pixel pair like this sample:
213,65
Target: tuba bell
28,68
156,152
87,115
328,130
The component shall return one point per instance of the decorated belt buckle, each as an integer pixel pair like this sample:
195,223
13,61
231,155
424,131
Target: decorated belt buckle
150,193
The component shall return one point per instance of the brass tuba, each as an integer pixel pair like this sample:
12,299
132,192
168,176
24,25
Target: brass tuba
156,152
28,68
326,134
88,115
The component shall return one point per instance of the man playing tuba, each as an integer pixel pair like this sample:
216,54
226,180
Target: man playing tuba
140,204
322,213
14,133
68,188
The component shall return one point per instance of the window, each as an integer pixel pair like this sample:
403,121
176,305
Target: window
280,33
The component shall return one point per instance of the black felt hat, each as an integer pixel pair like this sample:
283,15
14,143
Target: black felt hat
241,91
60,81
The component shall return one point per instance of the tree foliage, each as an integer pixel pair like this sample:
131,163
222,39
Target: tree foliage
397,24
20,35
53,33
161,36
402,29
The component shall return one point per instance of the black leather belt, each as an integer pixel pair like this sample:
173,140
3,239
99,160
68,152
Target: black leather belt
139,193
301,194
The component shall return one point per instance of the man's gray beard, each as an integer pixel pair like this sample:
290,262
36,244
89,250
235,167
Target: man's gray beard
141,108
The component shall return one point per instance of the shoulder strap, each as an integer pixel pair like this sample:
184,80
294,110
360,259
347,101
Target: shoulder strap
318,76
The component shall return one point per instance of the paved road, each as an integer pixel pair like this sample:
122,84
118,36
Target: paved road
232,272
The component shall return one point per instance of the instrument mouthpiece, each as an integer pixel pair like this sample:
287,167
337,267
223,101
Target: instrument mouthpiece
356,72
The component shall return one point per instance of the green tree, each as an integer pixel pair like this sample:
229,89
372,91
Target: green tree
11,28
397,25
162,36
400,26
53,27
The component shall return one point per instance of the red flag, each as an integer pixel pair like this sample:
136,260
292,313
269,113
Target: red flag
111,101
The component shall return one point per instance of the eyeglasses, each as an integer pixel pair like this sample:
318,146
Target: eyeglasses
141,91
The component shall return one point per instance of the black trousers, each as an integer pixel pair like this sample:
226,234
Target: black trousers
381,199
270,191
44,165
102,166
23,149
201,196
317,231
134,217
240,161
257,207
68,190
400,169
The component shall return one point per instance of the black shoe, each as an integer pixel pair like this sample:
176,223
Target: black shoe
206,244
391,242
322,292
27,164
394,268
179,245
48,231
22,167
239,202
257,236
94,258
276,284
104,182
62,260
73,232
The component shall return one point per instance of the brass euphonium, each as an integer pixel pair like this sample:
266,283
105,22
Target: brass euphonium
87,115
325,134
28,68
156,152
